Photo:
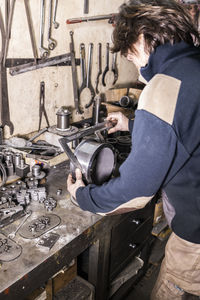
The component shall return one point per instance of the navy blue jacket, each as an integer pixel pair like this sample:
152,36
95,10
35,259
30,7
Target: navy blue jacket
165,145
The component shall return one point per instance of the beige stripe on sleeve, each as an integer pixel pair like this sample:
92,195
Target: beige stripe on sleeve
133,204
160,96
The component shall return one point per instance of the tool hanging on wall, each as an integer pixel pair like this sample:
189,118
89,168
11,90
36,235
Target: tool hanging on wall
86,7
107,65
114,67
52,43
8,32
44,52
7,11
74,75
4,101
99,66
55,23
109,17
31,30
42,109
88,79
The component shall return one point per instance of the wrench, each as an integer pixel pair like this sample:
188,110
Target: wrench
107,65
7,11
13,234
74,74
44,52
31,31
100,66
56,24
4,102
8,31
114,67
52,42
88,79
83,69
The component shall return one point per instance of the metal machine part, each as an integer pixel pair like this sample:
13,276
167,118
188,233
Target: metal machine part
50,203
9,249
36,172
97,160
126,101
63,118
35,228
9,215
22,169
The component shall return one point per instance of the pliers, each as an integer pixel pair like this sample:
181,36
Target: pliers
42,109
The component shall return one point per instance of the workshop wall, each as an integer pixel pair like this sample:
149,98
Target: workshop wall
24,88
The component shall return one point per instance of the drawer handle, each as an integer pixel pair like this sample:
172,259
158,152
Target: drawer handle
136,221
132,245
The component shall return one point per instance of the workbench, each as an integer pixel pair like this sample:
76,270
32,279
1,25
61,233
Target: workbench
79,230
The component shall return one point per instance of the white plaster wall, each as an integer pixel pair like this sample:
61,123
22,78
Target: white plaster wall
24,88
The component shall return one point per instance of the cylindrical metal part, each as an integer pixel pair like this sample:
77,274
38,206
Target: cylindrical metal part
97,160
36,170
63,118
126,101
17,159
124,143
96,109
8,157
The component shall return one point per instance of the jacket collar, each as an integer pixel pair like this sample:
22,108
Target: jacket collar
165,55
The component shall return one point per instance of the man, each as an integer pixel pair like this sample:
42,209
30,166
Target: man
161,40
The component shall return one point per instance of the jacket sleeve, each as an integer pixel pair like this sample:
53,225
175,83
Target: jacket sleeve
152,161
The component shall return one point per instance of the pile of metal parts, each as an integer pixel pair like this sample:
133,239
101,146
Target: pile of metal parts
14,198
12,164
9,250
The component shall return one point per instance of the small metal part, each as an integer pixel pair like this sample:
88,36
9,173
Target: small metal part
38,194
63,118
39,226
59,192
22,169
17,159
50,204
36,172
48,240
9,249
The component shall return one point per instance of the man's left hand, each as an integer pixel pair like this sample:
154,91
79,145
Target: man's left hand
72,185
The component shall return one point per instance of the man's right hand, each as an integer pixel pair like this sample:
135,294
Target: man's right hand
119,121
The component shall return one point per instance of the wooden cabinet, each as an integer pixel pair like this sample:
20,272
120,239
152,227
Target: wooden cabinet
123,237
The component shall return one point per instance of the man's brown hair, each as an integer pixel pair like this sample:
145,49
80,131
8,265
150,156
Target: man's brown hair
160,22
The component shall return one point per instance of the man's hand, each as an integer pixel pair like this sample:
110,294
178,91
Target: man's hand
73,186
120,121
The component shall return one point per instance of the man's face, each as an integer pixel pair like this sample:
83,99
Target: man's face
141,57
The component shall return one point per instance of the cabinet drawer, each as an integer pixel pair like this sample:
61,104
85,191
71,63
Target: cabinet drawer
128,244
